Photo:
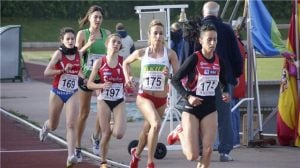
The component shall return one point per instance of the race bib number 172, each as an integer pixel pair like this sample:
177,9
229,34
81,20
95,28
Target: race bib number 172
206,85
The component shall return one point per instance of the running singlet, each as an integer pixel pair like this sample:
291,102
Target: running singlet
96,51
67,82
114,75
208,76
152,77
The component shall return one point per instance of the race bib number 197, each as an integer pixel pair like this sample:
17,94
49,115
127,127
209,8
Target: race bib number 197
115,92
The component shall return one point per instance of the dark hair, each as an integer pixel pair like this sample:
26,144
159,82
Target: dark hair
65,30
207,27
92,9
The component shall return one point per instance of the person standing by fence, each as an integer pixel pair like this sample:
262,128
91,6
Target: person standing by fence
127,48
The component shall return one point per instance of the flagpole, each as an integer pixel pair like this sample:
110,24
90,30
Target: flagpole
297,50
249,76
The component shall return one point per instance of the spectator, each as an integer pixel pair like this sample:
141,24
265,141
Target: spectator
228,51
238,92
177,39
190,39
127,42
127,48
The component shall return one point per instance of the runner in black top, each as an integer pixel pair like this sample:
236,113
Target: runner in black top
185,81
197,80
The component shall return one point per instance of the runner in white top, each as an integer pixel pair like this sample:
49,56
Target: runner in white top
153,90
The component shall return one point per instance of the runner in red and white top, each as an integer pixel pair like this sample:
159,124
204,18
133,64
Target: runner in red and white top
114,75
111,96
64,66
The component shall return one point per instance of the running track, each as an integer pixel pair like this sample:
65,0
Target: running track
21,148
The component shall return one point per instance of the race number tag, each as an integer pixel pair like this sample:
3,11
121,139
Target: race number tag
206,85
115,92
91,59
154,81
68,82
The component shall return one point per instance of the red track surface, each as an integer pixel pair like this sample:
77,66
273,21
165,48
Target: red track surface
21,148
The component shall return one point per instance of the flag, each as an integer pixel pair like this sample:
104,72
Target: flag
288,118
266,37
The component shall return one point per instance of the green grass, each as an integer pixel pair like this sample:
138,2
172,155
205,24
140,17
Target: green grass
40,56
45,56
267,68
34,30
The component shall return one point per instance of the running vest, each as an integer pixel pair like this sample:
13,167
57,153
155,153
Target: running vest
67,82
114,75
208,76
152,77
96,51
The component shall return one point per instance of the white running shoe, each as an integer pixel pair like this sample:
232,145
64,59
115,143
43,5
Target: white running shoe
225,157
71,161
95,145
43,133
78,155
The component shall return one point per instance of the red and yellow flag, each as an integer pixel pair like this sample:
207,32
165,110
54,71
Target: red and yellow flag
288,118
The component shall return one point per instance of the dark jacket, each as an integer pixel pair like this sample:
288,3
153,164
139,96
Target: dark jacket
227,49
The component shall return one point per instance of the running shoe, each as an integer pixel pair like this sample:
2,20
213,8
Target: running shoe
95,145
103,165
134,159
173,135
151,165
199,165
236,146
71,161
43,133
225,157
78,155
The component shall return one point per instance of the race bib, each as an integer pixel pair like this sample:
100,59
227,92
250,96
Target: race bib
153,81
115,92
68,82
91,59
206,85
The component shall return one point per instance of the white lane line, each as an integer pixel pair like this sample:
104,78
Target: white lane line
62,141
24,151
